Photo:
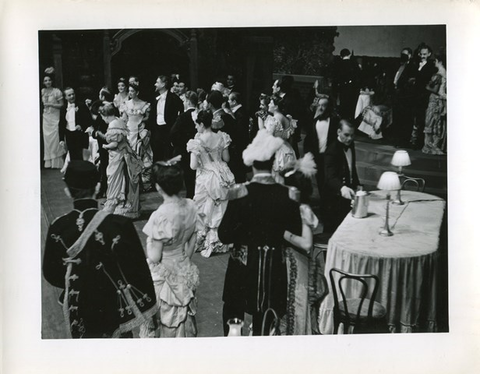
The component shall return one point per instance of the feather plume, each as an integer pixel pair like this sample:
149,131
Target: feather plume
262,148
305,165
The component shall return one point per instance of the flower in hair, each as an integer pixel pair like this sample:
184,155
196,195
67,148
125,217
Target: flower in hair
305,165
49,70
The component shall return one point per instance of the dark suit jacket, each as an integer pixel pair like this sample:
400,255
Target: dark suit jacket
242,121
182,131
294,105
83,118
311,139
337,172
173,107
422,77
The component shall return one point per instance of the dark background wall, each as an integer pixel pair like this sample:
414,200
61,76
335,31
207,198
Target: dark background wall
387,41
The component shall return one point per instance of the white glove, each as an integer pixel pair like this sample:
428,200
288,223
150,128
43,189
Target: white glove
347,193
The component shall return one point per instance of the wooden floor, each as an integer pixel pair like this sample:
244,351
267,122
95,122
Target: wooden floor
54,203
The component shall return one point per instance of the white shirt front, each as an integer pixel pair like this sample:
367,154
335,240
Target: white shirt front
322,127
70,117
235,108
161,99
421,65
349,157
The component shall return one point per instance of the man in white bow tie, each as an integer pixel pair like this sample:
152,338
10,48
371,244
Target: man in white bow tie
165,110
75,119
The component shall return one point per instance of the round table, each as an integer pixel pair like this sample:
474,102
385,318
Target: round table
405,263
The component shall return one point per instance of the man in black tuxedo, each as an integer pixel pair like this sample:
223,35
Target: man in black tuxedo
242,125
182,131
230,84
341,178
165,111
320,134
425,68
75,119
346,85
226,123
403,100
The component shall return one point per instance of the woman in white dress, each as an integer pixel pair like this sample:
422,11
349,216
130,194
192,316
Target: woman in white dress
136,113
52,100
121,97
283,127
171,236
209,158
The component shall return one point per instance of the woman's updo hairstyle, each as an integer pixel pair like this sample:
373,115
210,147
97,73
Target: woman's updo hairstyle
264,97
302,183
277,100
169,177
107,110
205,117
442,57
135,86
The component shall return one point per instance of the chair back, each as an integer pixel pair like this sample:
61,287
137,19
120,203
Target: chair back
418,183
361,298
270,325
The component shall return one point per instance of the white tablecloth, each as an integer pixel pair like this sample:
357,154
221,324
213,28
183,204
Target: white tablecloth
406,263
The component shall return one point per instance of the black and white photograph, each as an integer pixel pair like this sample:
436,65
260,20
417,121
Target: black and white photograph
283,187
292,177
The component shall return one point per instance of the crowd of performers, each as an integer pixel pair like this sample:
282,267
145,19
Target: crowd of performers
203,146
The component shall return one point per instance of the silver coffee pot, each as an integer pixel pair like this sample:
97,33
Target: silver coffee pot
360,204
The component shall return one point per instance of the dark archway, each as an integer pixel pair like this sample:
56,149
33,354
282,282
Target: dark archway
147,54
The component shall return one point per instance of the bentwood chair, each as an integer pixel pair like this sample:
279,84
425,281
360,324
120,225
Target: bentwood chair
359,314
418,183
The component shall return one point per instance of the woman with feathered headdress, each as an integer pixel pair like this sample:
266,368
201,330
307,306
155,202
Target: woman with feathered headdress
303,289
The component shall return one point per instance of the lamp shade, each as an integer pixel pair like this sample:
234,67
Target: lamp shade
401,158
389,181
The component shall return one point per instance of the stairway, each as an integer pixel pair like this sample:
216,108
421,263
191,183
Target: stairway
373,158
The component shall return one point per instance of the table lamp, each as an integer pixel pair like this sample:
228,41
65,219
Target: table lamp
400,159
388,181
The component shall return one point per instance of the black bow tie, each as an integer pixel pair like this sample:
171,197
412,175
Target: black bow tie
346,147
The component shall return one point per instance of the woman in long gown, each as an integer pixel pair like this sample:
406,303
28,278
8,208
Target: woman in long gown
124,168
136,113
213,179
121,97
302,261
283,127
436,114
171,236
52,100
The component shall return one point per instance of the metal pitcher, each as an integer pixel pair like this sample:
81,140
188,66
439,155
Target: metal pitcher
360,205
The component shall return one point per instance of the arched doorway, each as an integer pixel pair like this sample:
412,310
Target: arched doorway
147,54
